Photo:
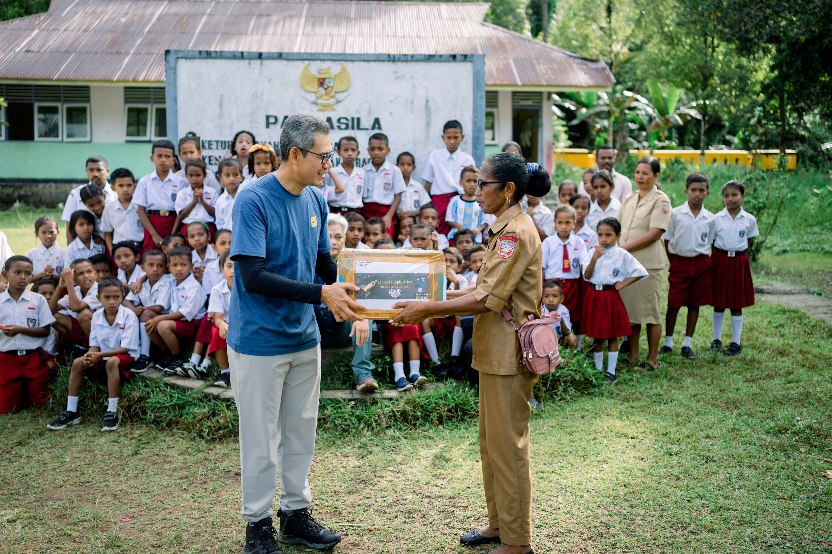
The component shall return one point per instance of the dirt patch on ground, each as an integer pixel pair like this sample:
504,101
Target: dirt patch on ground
794,296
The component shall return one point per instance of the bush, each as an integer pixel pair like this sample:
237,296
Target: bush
576,376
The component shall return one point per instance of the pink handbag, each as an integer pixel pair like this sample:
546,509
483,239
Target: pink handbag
538,342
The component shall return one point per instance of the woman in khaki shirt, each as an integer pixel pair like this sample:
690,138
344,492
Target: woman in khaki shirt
511,276
644,217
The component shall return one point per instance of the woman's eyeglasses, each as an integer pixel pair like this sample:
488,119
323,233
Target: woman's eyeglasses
481,184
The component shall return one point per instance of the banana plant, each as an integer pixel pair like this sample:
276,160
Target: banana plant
665,112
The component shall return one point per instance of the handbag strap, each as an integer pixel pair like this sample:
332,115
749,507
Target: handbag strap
510,318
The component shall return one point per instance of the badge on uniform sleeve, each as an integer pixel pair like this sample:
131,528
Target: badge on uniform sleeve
666,207
507,246
313,221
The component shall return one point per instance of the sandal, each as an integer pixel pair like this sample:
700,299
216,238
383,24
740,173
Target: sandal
647,366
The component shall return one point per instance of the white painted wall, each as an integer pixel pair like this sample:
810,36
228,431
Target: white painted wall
546,131
504,117
107,106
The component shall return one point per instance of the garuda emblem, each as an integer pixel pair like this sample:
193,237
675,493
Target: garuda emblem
325,86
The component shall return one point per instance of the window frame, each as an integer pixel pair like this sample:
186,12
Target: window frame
59,106
495,114
86,105
149,131
152,130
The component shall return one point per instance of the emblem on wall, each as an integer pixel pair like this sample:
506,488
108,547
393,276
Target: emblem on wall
325,87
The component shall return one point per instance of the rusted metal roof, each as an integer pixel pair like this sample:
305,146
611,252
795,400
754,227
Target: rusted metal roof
125,40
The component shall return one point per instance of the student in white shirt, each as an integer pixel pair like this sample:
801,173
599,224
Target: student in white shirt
152,299
605,205
212,273
47,288
383,183
73,311
441,174
195,203
581,204
126,256
542,216
156,193
415,196
120,221
231,175
344,184
605,159
114,346
356,226
219,304
430,217
97,173
47,257
86,243
553,303
190,148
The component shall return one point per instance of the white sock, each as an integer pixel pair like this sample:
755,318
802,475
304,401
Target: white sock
112,404
398,369
688,342
224,371
736,328
580,342
195,359
71,403
598,357
430,346
206,362
456,342
612,361
144,341
625,339
414,367
668,342
718,320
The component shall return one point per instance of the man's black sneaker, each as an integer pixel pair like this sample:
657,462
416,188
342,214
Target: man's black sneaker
716,345
687,352
301,528
665,349
224,380
110,421
733,349
141,365
65,419
260,538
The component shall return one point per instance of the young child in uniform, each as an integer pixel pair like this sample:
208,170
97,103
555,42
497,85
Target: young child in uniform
190,148
437,329
103,266
151,300
173,240
231,175
25,323
475,259
562,255
114,346
73,311
212,275
605,205
688,240
195,203
355,231
566,190
120,221
262,160
442,171
97,174
93,199
347,196
581,204
415,196
47,258
383,183
464,242
241,145
219,304
126,257
187,306
86,243
733,289
553,303
374,230
463,211
203,253
586,181
202,256
608,269
47,288
404,225
155,195
430,217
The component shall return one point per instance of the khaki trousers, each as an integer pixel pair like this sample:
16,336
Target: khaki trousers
277,402
504,451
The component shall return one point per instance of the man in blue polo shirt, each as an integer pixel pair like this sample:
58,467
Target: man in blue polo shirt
280,242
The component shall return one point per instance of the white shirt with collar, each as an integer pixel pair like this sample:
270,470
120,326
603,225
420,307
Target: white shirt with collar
222,210
587,235
123,333
211,276
623,186
442,242
414,197
198,213
688,235
188,299
157,294
73,200
353,188
91,299
220,300
123,223
565,318
383,184
553,257
42,257
732,233
616,264
210,256
597,213
137,274
443,170
210,180
78,251
30,310
153,193
545,219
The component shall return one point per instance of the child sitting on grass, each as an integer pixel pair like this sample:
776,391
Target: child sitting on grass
151,300
73,310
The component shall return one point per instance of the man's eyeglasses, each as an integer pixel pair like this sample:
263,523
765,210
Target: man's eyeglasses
481,184
323,157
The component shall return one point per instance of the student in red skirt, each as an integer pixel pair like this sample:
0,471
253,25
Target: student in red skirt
734,231
608,269
562,254
383,183
114,346
687,240
25,322
219,304
156,193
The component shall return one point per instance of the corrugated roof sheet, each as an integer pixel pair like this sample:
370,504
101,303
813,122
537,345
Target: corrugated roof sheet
125,40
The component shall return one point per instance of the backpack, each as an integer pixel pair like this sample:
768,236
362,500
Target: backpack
538,342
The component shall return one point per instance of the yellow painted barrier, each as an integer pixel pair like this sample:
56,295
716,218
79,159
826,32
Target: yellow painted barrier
763,159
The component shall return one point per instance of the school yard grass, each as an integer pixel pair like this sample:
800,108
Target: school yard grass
714,455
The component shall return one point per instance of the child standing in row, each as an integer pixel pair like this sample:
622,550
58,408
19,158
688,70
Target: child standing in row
190,148
463,211
231,175
155,195
383,183
581,205
120,221
415,196
348,195
605,204
47,258
195,203
442,171
566,190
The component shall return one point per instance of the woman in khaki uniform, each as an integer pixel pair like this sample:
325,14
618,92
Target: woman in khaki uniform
644,217
511,276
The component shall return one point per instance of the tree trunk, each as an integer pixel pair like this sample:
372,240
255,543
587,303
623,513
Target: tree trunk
702,138
544,19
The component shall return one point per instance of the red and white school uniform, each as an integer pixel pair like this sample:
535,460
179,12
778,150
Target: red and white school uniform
210,181
380,189
352,197
733,288
604,315
24,372
123,223
562,262
689,241
157,294
42,256
198,212
188,299
123,333
597,213
442,171
76,335
219,302
414,197
77,250
158,197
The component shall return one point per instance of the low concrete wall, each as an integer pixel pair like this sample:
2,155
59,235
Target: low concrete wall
34,192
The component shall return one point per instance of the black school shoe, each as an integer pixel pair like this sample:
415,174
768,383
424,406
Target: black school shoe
733,349
110,421
665,349
300,527
687,352
260,538
716,345
473,538
65,419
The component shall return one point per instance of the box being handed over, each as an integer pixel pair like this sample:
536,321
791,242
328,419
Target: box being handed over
386,277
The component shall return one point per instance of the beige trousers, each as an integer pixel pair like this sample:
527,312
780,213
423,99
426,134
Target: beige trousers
277,402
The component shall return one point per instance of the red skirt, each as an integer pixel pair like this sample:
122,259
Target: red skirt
24,380
604,314
690,281
374,209
572,297
217,342
440,202
395,335
733,288
163,225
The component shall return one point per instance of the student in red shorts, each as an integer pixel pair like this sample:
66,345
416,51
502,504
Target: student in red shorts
25,321
156,193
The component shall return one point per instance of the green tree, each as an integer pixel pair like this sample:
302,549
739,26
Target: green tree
11,9
510,14
539,13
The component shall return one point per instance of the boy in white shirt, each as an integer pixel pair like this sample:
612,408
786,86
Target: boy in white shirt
383,183
97,174
156,195
415,196
120,221
151,300
344,185
219,305
73,312
114,346
441,175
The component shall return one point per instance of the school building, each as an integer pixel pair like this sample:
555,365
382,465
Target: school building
87,77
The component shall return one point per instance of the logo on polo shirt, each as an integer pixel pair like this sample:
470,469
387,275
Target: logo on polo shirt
324,86
31,322
703,237
742,234
576,262
616,272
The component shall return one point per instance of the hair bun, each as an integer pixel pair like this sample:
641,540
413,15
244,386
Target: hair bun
539,182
